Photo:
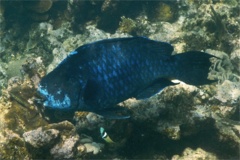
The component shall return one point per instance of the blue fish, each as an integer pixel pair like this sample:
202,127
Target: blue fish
97,76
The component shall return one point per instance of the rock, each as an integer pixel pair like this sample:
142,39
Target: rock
2,22
66,149
3,76
59,139
41,6
235,58
41,138
228,92
12,146
90,120
165,12
170,32
93,118
229,133
126,25
171,131
197,154
93,147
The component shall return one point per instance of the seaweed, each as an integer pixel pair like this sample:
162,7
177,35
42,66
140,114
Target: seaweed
220,25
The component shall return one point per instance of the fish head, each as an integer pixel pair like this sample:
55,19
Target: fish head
59,92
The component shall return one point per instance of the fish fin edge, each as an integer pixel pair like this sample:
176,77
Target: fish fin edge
154,88
113,113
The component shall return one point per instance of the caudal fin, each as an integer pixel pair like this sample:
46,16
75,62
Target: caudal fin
193,67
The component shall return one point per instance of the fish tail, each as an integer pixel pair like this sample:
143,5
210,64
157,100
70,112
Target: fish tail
193,67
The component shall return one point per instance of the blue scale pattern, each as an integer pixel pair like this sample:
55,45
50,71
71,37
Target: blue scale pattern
118,67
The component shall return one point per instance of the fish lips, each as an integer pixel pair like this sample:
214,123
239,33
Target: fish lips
54,100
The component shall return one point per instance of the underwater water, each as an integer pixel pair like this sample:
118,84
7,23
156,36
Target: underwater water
184,121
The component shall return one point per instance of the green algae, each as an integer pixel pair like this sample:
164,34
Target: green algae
230,2
14,149
22,116
14,68
164,12
127,25
220,25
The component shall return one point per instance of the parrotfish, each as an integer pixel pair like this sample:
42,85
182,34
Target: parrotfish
97,76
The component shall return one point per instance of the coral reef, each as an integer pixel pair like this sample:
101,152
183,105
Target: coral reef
40,6
38,138
199,153
164,12
92,147
12,146
3,76
126,25
65,149
223,68
62,141
181,122
32,11
228,91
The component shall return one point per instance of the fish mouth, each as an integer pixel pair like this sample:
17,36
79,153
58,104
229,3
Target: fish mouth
56,100
42,96
39,98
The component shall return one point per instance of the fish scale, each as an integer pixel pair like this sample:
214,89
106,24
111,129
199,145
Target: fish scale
130,64
97,76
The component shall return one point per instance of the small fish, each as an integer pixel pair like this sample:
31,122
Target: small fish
113,146
105,136
97,76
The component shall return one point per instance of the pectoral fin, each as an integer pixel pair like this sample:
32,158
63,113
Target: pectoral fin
90,93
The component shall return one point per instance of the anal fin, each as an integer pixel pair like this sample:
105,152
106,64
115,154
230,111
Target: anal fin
154,88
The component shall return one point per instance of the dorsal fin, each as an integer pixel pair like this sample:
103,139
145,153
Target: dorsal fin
149,45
